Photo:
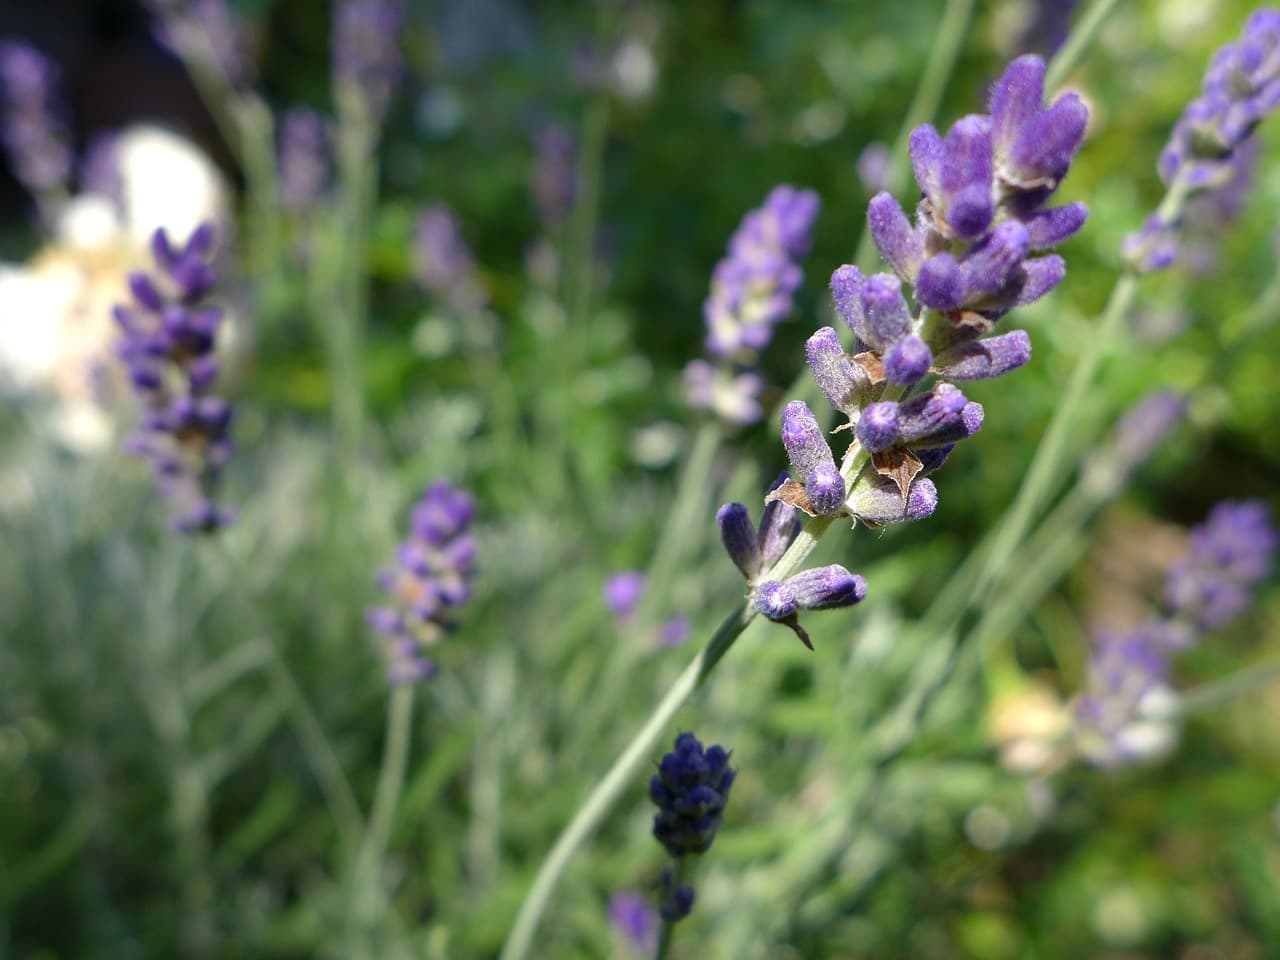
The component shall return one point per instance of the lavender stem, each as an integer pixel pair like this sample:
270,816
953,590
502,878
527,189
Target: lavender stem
1221,692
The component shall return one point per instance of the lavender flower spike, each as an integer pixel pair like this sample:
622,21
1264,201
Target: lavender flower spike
1241,87
366,56
206,34
432,577
751,292
169,336
445,267
304,159
690,790
754,552
1230,552
33,125
554,178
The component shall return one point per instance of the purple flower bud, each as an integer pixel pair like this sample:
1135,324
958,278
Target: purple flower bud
826,588
739,537
942,415
927,155
303,159
841,380
895,238
907,361
1033,147
145,292
554,180
445,267
931,458
825,490
888,317
803,439
965,178
847,285
879,428
779,527
33,125
622,593
877,500
1048,228
677,899
984,359
1230,552
775,600
636,921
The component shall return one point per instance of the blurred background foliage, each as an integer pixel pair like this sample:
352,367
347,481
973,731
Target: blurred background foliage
122,649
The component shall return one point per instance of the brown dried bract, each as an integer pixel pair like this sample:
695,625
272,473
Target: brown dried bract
899,465
872,364
791,492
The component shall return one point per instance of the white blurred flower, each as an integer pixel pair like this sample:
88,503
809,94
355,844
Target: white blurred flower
56,332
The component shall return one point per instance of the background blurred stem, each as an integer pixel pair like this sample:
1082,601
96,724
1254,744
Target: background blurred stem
367,897
1072,50
1232,688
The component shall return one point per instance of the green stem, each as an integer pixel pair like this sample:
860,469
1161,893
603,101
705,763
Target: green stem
356,157
1070,53
324,763
1232,688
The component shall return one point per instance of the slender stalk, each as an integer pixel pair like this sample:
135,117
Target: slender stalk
1070,53
1221,692
366,898
952,29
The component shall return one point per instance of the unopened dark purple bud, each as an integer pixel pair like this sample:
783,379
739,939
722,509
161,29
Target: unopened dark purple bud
907,361
779,527
775,600
941,283
932,458
1042,153
989,266
802,436
983,359
966,177
825,588
927,154
145,292
846,292
841,380
894,236
888,316
739,537
825,490
1048,228
1015,99
941,416
878,427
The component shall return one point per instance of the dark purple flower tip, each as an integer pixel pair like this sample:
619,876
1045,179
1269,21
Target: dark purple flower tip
927,155
887,313
1041,274
938,417
907,361
846,292
622,592
779,527
984,359
941,283
201,242
690,790
825,490
841,380
894,236
826,588
965,178
1048,228
677,899
1043,150
931,458
739,537
802,436
145,292
878,427
775,600
1015,99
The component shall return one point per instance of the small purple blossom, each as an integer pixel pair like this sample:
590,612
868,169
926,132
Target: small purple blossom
1135,437
820,588
366,55
445,267
168,349
635,920
431,579
752,291
304,159
622,593
33,124
1229,553
1119,716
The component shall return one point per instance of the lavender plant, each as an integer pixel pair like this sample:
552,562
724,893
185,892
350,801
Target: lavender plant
33,123
168,347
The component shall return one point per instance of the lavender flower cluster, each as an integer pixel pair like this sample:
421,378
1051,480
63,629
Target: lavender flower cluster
975,251
690,790
33,126
752,290
1241,87
432,577
444,264
168,348
303,159
1123,716
207,33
